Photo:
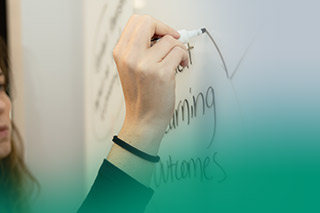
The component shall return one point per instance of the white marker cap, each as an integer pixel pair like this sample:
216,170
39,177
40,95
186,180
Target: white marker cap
186,35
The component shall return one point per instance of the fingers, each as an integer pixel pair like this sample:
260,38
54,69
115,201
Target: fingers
175,57
134,44
161,49
145,27
150,27
162,29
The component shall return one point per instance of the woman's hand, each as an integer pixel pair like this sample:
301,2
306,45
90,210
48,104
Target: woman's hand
147,76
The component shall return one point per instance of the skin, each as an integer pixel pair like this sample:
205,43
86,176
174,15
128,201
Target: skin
5,122
147,76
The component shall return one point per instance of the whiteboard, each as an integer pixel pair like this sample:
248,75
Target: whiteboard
229,144
203,137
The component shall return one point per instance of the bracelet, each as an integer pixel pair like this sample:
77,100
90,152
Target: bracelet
135,151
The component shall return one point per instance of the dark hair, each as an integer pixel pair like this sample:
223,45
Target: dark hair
16,181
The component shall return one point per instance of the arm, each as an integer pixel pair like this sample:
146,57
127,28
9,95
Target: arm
147,76
115,191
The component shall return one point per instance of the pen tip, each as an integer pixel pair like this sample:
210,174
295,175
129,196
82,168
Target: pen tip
203,30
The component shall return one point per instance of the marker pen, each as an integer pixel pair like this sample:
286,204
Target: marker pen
185,35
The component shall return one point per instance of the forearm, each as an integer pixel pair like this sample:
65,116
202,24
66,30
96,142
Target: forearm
146,139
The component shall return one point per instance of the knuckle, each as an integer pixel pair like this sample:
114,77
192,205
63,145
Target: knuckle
178,50
142,72
146,17
124,59
146,20
142,68
134,17
183,47
174,43
169,39
115,53
129,61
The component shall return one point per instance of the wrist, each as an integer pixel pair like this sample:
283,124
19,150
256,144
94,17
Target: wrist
143,137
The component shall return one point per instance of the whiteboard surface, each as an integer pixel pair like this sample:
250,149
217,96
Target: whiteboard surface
235,128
